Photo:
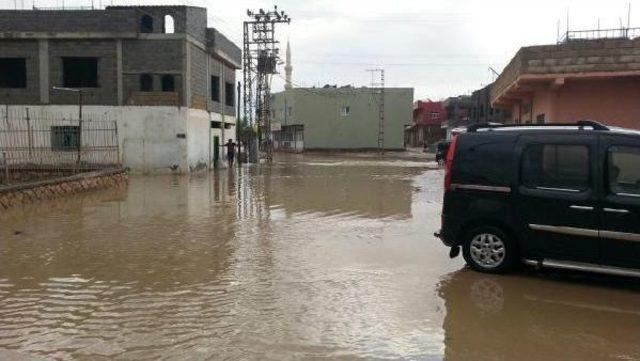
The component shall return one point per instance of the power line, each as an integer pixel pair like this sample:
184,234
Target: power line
390,64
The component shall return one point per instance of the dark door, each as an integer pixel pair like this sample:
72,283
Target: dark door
216,151
620,212
557,197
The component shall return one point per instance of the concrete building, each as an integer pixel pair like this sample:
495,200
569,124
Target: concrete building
579,78
332,118
427,124
339,118
482,111
159,71
458,110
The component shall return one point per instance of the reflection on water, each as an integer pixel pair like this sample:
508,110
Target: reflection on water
302,259
526,317
309,258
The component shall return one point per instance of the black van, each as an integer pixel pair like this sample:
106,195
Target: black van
551,195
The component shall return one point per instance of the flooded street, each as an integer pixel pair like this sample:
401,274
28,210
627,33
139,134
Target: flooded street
312,258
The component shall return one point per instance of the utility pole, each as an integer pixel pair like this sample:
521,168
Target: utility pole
260,59
238,124
377,87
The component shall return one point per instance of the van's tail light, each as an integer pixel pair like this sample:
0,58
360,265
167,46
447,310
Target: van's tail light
449,163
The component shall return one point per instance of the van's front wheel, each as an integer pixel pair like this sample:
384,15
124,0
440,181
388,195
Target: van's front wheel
489,249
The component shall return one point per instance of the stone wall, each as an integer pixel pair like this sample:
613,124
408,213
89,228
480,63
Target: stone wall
37,191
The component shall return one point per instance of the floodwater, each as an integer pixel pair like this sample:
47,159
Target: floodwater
311,258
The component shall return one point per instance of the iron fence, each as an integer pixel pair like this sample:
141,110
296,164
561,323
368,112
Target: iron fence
43,146
578,35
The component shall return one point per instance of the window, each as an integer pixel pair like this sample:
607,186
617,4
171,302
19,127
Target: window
540,119
345,111
434,115
489,163
169,26
215,88
168,83
13,73
146,24
65,138
289,111
229,95
623,171
146,83
80,72
556,167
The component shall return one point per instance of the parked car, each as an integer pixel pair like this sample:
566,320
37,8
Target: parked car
552,195
442,148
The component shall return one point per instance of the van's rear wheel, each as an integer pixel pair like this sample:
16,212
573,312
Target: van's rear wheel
489,249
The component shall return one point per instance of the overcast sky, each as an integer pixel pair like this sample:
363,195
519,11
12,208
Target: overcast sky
440,48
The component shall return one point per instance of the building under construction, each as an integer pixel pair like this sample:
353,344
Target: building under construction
339,118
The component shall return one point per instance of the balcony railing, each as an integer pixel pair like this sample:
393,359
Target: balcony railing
580,35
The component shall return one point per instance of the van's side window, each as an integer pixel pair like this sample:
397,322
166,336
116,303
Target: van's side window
623,171
556,167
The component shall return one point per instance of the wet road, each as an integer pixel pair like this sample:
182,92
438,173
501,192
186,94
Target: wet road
313,258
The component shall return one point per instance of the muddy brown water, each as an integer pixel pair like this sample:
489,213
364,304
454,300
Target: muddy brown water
312,258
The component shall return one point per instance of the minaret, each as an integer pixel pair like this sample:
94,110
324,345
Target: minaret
288,68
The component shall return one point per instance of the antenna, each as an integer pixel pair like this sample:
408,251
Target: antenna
629,16
494,72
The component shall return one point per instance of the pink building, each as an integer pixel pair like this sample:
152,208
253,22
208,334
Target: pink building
427,123
578,79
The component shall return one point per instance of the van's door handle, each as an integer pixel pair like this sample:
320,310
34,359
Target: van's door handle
614,210
581,208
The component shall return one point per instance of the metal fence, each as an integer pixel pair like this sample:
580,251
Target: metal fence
43,146
621,33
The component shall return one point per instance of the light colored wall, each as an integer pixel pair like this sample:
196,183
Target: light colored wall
198,141
325,128
148,136
614,101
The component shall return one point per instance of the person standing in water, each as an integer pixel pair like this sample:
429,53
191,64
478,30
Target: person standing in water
231,152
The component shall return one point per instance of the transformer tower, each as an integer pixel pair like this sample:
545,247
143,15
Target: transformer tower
260,60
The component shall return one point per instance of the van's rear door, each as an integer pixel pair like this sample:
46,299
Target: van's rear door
557,196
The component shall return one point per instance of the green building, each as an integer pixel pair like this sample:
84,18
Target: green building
344,118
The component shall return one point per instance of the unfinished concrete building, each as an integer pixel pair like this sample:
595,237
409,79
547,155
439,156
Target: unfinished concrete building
588,75
159,71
